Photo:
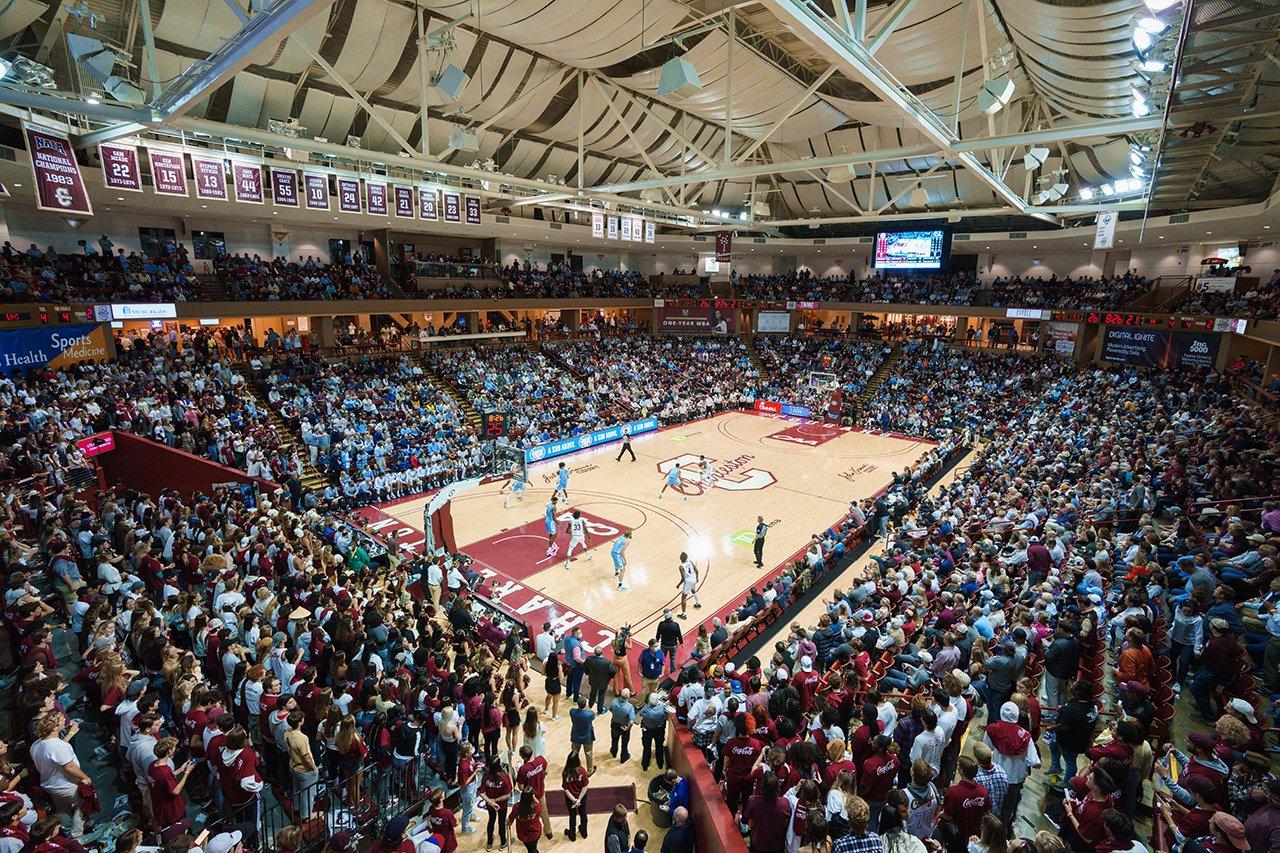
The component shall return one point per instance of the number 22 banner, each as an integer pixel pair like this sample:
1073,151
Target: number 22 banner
120,167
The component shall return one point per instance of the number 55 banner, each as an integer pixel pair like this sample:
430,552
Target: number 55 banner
59,184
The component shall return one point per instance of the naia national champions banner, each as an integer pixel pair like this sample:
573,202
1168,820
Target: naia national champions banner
59,184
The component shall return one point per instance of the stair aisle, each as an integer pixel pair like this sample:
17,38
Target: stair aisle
311,477
878,379
452,391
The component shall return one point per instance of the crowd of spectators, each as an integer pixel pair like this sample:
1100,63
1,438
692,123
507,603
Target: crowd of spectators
791,362
675,378
803,285
1085,292
251,278
1258,302
555,280
94,273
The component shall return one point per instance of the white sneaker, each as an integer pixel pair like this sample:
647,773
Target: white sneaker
659,497
686,497
623,587
588,555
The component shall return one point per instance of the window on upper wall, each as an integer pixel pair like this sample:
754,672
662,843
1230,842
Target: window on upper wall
209,244
157,241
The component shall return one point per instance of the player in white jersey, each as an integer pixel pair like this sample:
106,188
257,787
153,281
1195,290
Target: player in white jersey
707,474
577,527
688,585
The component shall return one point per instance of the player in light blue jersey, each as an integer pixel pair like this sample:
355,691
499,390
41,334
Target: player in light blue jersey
619,553
517,485
552,547
562,483
672,482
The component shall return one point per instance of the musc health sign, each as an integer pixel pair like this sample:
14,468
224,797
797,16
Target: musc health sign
586,440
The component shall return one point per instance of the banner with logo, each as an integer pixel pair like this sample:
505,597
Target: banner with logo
375,197
624,230
428,203
58,347
1060,337
773,321
168,172
1104,234
696,321
650,231
597,224
247,180
348,194
1214,284
120,169
211,178
1160,348
472,205
773,407
452,209
59,184
591,439
284,187
613,227
403,197
315,187
1194,349
143,311
724,246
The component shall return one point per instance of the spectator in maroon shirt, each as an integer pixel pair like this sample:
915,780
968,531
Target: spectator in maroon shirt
1084,830
878,775
963,807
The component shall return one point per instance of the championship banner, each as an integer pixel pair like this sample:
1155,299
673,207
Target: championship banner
375,197
724,246
428,203
597,224
247,180
59,184
625,230
211,178
472,210
650,231
637,229
452,208
284,187
316,186
696,321
1104,235
120,167
613,227
403,197
168,172
63,346
348,195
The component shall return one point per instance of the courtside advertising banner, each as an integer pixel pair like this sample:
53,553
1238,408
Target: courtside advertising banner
316,190
120,169
696,321
168,173
375,197
284,187
247,180
63,346
348,195
591,439
773,407
59,184
211,178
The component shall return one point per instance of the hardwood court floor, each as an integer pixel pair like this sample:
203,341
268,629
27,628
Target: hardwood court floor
799,475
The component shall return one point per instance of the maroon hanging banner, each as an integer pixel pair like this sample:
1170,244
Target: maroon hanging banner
473,210
284,187
404,201
247,179
349,195
120,167
452,212
375,197
59,184
316,190
211,178
724,246
168,172
428,203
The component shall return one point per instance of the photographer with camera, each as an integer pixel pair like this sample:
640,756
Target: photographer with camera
622,681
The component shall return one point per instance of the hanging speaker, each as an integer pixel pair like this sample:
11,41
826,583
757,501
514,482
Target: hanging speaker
679,78
452,81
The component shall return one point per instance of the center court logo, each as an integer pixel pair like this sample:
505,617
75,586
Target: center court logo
732,475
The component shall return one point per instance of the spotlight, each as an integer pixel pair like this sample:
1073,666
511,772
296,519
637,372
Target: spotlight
1086,194
1153,66
4,68
290,128
92,98
760,208
1107,190
354,141
122,90
678,78
1140,108
1142,40
1155,26
1160,5
1035,157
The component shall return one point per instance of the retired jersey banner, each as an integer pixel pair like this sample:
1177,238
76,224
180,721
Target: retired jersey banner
452,209
348,195
120,167
59,184
472,210
211,178
724,246
247,180
58,347
375,197
315,190
637,229
168,172
284,187
428,203
597,224
625,228
613,227
403,198
650,231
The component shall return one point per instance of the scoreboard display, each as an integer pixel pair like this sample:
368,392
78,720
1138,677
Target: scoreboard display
495,424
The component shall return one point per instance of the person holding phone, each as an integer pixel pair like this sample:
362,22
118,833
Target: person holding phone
168,803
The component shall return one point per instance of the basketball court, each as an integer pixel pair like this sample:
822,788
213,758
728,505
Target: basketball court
800,475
